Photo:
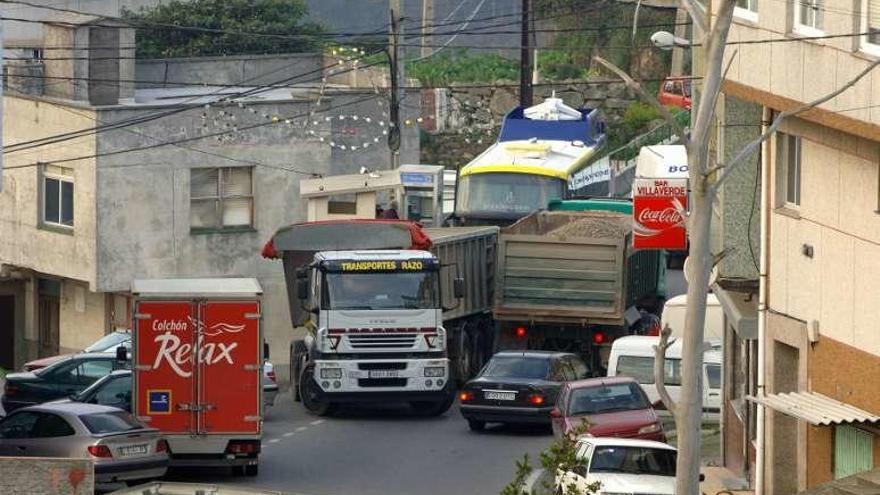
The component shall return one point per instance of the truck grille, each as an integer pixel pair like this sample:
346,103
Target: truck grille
382,341
381,366
382,382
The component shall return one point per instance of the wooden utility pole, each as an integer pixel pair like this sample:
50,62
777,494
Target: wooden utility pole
525,59
396,75
1,107
681,18
427,27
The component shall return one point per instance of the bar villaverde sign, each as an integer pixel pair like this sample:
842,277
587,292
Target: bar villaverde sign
657,217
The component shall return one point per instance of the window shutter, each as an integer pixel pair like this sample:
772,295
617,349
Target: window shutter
203,213
236,212
237,182
873,15
204,182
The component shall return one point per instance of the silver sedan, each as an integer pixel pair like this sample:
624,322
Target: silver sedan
122,448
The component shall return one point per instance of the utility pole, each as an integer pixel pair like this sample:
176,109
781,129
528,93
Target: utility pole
1,106
396,75
525,60
427,27
681,18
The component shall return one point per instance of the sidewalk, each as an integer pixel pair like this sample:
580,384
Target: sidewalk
721,481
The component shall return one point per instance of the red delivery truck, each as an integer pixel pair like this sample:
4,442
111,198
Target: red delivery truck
197,368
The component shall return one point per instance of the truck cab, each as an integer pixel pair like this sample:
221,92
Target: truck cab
376,333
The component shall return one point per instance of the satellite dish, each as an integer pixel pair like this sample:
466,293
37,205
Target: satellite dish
713,275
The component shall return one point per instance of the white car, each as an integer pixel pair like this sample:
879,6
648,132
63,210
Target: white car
622,465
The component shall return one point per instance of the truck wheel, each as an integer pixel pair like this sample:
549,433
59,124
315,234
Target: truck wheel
477,353
463,356
296,365
311,393
252,470
475,425
432,408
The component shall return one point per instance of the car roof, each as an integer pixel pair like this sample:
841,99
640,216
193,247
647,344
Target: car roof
596,382
71,408
626,442
533,354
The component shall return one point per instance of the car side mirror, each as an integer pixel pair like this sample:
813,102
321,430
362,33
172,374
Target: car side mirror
265,350
121,353
580,470
555,413
458,288
302,288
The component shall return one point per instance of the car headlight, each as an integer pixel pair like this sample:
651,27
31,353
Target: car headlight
331,373
652,428
432,371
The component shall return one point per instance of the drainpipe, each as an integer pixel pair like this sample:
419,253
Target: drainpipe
762,298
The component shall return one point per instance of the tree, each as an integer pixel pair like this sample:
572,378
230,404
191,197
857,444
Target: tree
705,181
224,27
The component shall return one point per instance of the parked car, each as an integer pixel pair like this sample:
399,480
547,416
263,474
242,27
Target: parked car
633,356
675,92
270,383
622,465
123,449
518,387
614,407
68,376
107,343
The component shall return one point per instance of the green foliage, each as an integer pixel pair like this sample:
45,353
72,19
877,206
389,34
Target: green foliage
637,116
560,456
459,66
282,17
558,65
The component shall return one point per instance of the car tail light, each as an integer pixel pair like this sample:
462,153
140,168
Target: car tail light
100,451
598,337
10,389
651,428
242,447
521,332
162,446
466,396
536,399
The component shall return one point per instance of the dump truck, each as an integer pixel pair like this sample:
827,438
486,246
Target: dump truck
568,279
391,311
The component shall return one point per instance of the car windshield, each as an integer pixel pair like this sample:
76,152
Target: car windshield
517,367
607,398
109,422
505,195
109,341
633,460
386,290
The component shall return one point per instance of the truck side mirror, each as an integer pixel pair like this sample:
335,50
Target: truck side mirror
265,350
302,288
458,288
121,353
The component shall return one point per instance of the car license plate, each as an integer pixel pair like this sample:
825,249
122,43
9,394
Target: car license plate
132,450
384,373
501,395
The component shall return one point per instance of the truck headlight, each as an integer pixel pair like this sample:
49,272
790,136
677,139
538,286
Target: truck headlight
433,371
331,373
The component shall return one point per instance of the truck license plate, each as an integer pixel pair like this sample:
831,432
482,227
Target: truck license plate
501,395
132,450
384,373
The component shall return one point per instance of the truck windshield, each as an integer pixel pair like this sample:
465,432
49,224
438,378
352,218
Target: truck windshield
505,196
388,290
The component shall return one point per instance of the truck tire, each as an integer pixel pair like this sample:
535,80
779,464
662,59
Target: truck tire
298,352
310,393
427,409
252,470
477,353
462,356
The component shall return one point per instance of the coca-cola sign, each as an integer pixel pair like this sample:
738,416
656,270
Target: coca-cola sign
658,214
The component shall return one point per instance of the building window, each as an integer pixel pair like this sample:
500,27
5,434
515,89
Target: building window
870,25
808,17
746,9
56,192
788,165
221,198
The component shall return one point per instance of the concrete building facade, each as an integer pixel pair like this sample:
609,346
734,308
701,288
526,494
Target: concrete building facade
823,237
104,198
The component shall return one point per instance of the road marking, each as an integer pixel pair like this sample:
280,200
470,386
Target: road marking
302,428
275,440
316,422
288,434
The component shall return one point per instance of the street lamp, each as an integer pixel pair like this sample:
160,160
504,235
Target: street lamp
665,40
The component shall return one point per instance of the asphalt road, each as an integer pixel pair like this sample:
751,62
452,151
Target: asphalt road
384,451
